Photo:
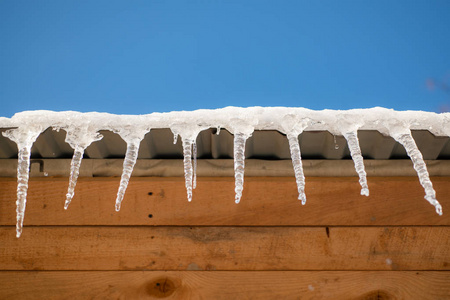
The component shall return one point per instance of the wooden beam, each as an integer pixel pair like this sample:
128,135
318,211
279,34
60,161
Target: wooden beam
224,285
226,248
225,167
266,202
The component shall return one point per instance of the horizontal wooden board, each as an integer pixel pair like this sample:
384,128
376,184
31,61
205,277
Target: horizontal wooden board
225,285
266,201
224,167
226,248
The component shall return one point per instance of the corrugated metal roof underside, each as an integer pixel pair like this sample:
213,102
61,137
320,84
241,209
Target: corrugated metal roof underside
272,145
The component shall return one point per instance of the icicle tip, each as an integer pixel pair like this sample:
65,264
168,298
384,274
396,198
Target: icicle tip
435,203
365,192
68,200
119,200
302,197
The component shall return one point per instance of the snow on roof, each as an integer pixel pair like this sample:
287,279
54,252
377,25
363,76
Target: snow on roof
83,129
237,118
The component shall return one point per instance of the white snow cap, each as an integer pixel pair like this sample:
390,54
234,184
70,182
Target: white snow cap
241,119
83,129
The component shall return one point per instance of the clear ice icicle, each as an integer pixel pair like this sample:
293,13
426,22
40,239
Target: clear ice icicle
413,152
24,138
79,138
298,167
239,164
128,165
23,167
355,152
187,161
194,155
74,172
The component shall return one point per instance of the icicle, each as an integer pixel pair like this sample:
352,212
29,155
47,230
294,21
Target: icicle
298,167
293,127
187,150
239,164
79,138
355,151
24,138
175,138
23,168
133,133
74,172
188,133
194,155
413,152
128,165
218,130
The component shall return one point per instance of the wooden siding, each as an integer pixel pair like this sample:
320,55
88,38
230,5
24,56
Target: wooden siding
266,201
225,285
340,245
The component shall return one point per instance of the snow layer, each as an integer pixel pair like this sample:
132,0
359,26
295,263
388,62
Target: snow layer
82,130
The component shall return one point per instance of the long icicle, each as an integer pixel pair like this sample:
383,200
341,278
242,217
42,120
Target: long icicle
23,168
239,164
355,152
74,172
298,166
187,161
128,165
79,138
413,152
194,157
24,138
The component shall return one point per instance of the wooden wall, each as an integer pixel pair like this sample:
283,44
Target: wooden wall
340,245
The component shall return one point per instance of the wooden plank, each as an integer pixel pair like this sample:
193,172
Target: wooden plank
224,167
266,201
216,285
226,248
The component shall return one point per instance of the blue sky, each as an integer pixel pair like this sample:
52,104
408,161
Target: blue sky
137,57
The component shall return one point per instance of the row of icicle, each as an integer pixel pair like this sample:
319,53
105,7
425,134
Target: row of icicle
25,138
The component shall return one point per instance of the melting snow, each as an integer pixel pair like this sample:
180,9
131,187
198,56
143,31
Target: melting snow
83,129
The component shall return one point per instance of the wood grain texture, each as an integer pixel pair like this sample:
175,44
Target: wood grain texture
266,202
226,248
224,167
225,285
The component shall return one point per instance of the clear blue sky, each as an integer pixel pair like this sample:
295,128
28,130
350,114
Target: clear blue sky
145,56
